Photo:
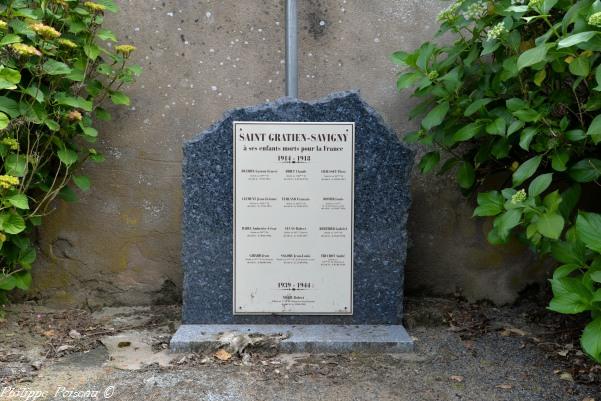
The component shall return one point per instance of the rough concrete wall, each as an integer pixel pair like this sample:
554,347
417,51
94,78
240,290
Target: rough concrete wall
121,243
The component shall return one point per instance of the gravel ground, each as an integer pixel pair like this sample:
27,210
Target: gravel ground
463,352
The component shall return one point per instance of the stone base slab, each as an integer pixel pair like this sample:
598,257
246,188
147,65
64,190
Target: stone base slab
300,338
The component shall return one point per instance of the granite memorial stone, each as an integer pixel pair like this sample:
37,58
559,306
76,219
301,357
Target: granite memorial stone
382,168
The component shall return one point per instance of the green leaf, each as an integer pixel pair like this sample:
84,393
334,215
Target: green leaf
540,184
527,115
102,114
507,221
586,170
565,270
559,160
399,57
526,137
575,39
90,132
515,126
119,98
35,93
489,204
591,339
67,194
82,182
575,135
435,116
466,175
476,105
533,56
78,102
92,51
569,304
4,120
27,257
67,156
467,132
9,106
7,283
569,252
15,165
548,5
18,200
52,125
526,170
552,201
596,276
570,198
570,295
9,75
539,77
107,34
53,67
428,161
109,4
407,80
550,225
10,38
497,127
594,130
135,69
22,280
588,229
12,223
581,66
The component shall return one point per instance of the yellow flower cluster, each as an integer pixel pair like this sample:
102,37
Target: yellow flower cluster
74,115
94,6
11,143
125,49
3,25
45,31
25,50
8,181
67,43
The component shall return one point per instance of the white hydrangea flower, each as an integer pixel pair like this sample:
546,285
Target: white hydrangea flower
476,10
496,31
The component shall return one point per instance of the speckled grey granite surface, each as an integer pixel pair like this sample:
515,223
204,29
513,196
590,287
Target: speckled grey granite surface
382,200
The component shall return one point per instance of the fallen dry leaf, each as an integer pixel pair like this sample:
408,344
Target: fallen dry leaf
49,333
63,348
222,355
589,399
504,386
566,376
456,378
74,334
508,331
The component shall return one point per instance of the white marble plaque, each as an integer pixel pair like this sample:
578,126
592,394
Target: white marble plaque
293,218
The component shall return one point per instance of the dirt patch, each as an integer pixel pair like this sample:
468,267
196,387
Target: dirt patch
463,352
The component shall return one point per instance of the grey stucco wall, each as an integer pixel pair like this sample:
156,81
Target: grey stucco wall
121,243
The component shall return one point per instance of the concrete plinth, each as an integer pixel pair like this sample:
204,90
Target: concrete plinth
300,338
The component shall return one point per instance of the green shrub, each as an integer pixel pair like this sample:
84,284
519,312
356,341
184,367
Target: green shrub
54,74
515,100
